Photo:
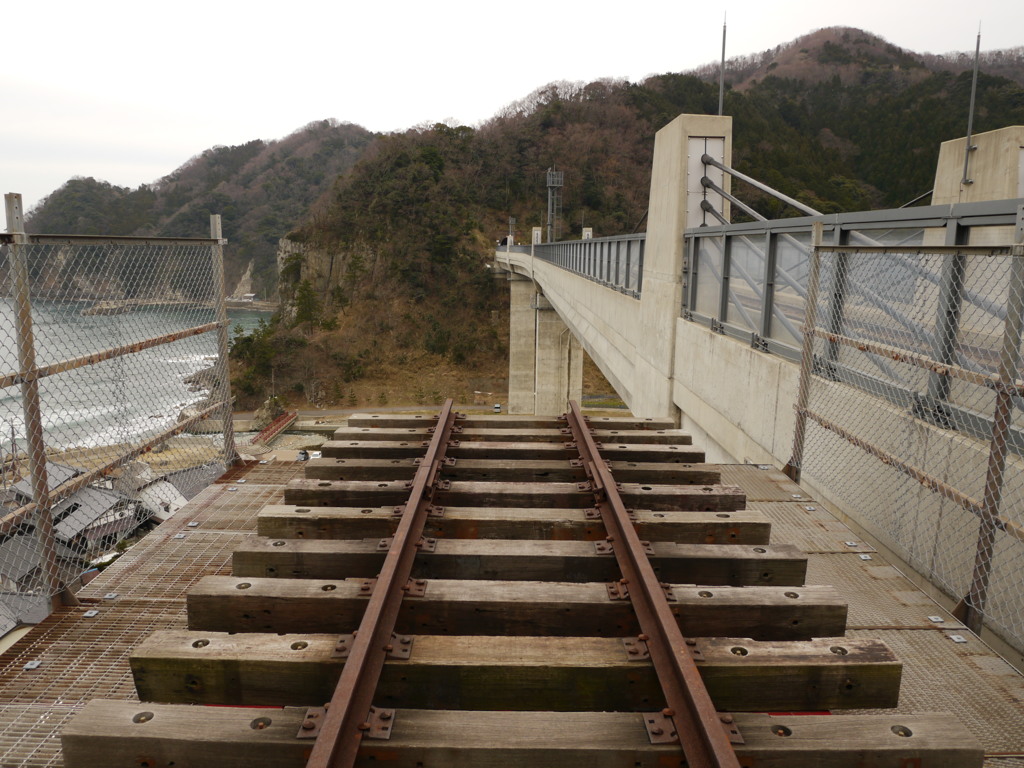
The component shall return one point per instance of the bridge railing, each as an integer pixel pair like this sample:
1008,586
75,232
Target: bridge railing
749,280
915,426
911,405
614,262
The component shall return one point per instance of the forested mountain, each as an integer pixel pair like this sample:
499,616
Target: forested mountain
856,57
261,189
881,109
386,275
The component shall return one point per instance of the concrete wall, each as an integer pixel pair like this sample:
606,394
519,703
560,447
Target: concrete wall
996,172
522,348
741,399
996,168
545,357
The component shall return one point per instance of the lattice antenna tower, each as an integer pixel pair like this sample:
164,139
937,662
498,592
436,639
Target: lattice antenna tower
555,182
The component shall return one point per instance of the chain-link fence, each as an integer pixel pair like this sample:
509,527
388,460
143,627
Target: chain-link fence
114,401
909,417
910,411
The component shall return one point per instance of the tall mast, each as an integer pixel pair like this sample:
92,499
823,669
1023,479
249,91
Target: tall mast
970,115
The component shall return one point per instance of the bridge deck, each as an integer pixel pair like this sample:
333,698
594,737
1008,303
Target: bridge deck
85,657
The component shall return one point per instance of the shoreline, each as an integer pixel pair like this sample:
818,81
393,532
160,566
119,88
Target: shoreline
255,306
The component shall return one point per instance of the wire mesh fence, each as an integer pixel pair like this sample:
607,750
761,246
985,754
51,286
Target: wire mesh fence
113,398
910,411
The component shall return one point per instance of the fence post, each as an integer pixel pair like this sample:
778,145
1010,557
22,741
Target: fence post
723,296
795,464
771,243
947,328
692,249
30,403
1002,421
224,364
837,304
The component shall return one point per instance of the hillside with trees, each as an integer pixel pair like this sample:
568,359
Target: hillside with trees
261,190
384,278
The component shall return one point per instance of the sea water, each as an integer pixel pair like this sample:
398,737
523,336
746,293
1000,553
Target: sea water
122,400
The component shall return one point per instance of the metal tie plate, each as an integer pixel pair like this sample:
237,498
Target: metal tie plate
731,729
660,728
415,588
636,649
379,722
343,647
617,591
310,727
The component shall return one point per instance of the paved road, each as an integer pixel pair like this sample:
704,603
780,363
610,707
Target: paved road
320,413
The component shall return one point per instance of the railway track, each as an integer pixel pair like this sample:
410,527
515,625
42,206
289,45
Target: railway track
502,591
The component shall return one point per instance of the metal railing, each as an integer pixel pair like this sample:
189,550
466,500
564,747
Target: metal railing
112,352
912,394
614,262
750,280
275,428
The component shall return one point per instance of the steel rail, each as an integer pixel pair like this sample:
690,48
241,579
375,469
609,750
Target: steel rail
709,160
689,707
345,721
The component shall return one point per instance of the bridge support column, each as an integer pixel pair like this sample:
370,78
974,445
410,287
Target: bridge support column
559,363
545,359
522,345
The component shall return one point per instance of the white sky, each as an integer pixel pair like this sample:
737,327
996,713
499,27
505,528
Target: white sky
128,91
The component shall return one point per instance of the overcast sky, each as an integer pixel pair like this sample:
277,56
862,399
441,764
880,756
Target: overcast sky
128,91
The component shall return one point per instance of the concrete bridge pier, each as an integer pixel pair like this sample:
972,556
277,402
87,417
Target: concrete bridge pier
545,359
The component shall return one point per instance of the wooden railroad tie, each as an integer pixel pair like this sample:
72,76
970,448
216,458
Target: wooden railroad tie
516,642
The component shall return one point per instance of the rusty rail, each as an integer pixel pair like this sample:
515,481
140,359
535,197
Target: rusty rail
347,718
690,712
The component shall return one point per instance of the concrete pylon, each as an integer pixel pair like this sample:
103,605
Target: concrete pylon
545,359
996,168
676,194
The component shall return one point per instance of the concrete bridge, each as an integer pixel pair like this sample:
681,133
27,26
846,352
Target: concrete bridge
631,334
894,399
